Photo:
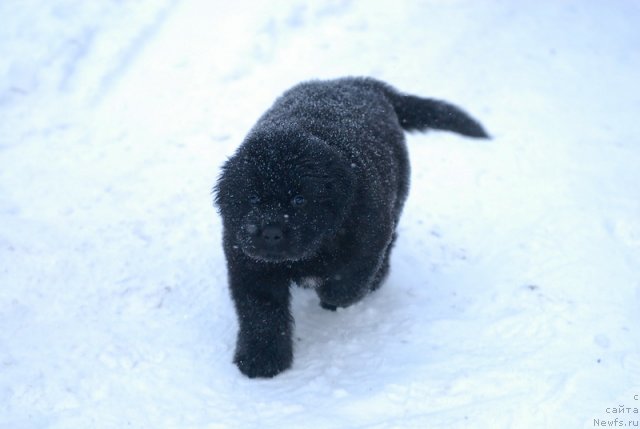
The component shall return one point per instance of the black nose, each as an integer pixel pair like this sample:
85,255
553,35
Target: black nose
272,235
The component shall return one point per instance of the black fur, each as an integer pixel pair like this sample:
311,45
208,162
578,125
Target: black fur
315,191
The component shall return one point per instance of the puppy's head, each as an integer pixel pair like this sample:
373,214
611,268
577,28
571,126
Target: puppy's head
282,195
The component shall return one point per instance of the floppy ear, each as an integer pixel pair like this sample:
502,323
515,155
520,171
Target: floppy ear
222,191
337,177
342,175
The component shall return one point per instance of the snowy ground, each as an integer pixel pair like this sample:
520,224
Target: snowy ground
515,286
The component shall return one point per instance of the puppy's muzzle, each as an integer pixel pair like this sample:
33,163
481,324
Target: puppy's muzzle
269,238
272,236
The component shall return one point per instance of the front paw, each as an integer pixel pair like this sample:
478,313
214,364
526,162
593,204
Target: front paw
329,307
263,362
341,293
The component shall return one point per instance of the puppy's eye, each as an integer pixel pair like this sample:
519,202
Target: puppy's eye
298,200
254,199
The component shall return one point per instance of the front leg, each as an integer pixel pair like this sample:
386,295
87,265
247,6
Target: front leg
264,346
347,286
356,275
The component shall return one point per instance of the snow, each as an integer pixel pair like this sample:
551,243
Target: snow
514,288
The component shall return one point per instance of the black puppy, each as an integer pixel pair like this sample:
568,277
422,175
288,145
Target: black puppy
313,196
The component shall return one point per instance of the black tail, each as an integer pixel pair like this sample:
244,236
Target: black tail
416,113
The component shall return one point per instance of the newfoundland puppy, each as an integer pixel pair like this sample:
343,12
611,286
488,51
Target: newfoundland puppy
313,197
